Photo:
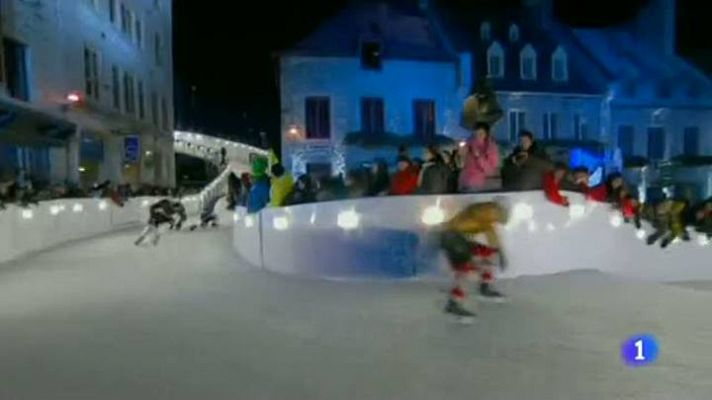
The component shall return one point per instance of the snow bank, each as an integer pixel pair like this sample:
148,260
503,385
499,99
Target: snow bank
394,237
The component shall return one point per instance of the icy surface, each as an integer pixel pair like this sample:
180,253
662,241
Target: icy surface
104,320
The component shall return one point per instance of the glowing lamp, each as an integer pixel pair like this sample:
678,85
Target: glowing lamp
522,211
702,240
54,209
77,208
533,226
27,214
433,215
312,218
73,98
616,220
235,217
577,211
249,221
640,234
463,143
348,219
550,227
280,223
103,205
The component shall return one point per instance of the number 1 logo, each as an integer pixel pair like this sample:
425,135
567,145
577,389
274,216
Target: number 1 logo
639,350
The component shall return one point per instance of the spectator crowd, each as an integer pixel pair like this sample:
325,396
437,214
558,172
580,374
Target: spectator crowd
474,166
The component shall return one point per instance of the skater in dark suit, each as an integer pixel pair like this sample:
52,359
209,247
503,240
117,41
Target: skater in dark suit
165,211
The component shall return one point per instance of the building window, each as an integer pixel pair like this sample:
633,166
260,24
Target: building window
549,125
372,115
513,33
318,118
112,11
91,73
424,120
129,94
371,55
16,71
559,65
141,100
580,128
154,108
626,140
527,63
164,114
495,61
115,87
486,31
516,124
158,49
656,143
691,144
139,33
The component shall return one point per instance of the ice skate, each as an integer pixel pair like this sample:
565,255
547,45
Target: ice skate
487,293
463,315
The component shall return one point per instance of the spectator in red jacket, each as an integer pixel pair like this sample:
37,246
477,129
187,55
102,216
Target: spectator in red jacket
552,185
581,178
405,181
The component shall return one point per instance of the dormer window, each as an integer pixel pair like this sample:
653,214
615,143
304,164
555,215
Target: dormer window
495,61
527,63
513,33
486,31
559,65
371,55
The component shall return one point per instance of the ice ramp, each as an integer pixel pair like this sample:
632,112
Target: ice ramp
396,237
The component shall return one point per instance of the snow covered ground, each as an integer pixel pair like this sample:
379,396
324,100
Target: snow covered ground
103,320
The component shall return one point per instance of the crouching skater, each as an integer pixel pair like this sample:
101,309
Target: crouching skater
468,258
165,211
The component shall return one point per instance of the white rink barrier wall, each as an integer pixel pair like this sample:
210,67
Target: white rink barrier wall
51,223
394,237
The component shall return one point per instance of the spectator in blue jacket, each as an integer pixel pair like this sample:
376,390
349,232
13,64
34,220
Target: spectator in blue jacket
259,192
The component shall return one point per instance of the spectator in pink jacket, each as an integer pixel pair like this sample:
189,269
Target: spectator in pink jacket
481,159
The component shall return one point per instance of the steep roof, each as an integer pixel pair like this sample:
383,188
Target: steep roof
628,60
464,29
403,30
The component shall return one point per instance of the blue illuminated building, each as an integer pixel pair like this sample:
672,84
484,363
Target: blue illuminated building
600,95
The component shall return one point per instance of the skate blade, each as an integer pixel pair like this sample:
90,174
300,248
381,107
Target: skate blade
493,300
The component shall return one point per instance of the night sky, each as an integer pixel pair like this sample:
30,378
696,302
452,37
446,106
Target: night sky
227,52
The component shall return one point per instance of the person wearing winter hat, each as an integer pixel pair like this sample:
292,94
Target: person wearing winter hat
260,190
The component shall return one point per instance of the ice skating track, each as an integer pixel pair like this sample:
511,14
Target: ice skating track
102,319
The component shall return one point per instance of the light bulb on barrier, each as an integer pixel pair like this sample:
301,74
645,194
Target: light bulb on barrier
703,240
77,207
576,211
348,219
280,223
640,234
103,205
27,214
54,209
616,220
249,222
433,215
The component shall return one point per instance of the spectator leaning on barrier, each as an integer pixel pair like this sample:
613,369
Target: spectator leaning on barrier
282,185
258,197
552,185
524,167
481,159
434,175
379,181
405,180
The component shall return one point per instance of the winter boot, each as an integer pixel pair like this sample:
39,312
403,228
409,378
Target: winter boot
489,293
455,308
